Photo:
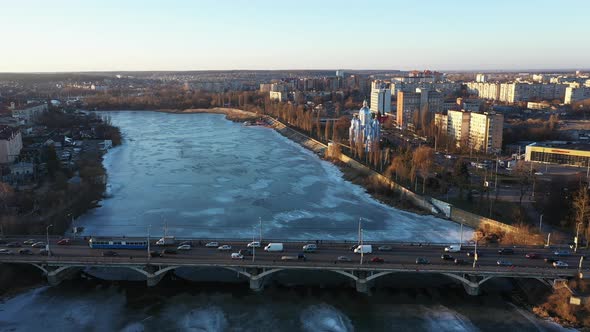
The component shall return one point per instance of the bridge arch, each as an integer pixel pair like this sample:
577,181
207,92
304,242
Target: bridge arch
378,275
45,271
347,274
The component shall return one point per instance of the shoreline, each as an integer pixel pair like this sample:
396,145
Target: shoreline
231,114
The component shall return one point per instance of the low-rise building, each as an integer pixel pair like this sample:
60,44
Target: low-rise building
11,144
29,112
565,153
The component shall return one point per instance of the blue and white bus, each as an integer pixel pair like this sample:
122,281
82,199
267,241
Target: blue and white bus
117,243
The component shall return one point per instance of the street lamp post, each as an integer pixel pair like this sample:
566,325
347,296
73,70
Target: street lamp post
577,237
47,243
541,223
148,242
361,247
253,247
260,239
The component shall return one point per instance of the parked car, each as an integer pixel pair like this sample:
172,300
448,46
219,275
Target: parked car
109,253
562,253
169,251
384,248
13,245
377,260
245,252
310,247
184,247
504,263
237,255
224,247
447,257
64,242
6,252
558,264
254,244
343,259
506,251
38,245
532,255
212,245
25,251
421,260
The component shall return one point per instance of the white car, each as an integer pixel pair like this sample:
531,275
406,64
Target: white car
560,264
30,241
184,247
212,245
237,255
6,252
254,244
453,248
224,247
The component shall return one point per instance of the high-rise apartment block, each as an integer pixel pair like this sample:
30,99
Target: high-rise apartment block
414,108
380,97
478,131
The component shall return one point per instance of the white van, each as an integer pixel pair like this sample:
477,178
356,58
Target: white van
364,249
453,248
274,247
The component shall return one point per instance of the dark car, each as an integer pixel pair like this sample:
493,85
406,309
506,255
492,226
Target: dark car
532,255
13,245
562,253
506,251
472,254
343,259
550,260
377,260
447,257
111,254
45,252
245,252
422,261
504,263
459,261
169,251
155,254
25,252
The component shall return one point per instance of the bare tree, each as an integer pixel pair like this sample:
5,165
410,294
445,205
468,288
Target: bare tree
581,209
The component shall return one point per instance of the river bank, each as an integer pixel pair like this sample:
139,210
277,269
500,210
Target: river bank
232,114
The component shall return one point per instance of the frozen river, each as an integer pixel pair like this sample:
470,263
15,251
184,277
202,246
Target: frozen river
205,176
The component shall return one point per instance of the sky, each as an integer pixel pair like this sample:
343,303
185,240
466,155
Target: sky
120,35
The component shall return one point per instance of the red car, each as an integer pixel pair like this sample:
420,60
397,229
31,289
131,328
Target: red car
531,255
377,260
63,242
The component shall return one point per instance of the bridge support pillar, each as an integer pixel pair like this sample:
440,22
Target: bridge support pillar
471,289
362,286
154,279
257,284
58,275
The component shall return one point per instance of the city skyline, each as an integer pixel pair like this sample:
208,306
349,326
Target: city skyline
67,36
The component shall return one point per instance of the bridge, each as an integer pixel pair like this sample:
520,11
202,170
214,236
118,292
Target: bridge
66,261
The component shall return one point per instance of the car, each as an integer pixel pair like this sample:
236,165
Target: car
13,245
538,173
558,264
421,260
29,241
254,244
504,263
453,248
310,247
472,254
224,247
6,252
38,245
185,242
384,248
459,261
245,252
184,247
505,251
45,252
447,257
169,251
64,242
299,257
155,253
343,259
550,260
237,255
377,260
532,255
25,252
210,245
562,253
108,253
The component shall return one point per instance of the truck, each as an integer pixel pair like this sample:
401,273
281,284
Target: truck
364,249
165,241
274,247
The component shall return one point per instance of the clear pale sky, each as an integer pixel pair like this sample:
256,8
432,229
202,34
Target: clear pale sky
80,35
